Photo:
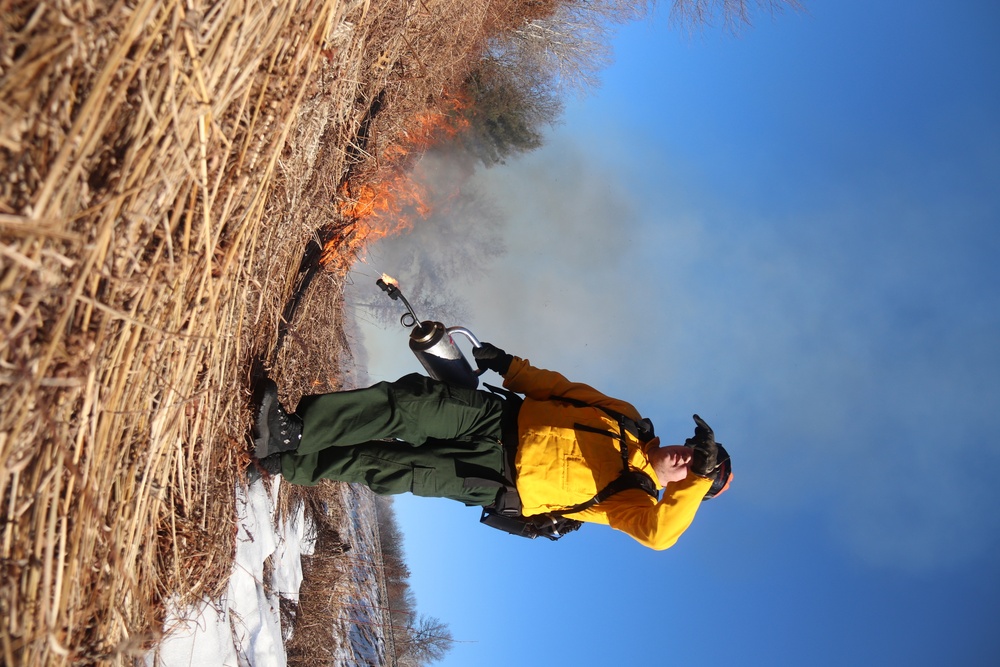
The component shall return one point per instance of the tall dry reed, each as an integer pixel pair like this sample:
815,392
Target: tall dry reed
164,163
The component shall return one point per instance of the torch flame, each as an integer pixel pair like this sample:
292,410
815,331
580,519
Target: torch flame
389,280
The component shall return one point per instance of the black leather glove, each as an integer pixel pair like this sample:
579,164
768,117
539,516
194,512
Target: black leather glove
492,357
705,456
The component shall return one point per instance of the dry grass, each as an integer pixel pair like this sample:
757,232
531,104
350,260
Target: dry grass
164,165
313,640
141,148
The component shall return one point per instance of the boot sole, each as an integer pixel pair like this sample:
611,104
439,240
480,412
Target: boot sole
263,434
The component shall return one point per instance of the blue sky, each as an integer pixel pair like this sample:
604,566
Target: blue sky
793,233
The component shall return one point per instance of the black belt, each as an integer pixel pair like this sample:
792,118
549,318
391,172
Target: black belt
509,437
507,497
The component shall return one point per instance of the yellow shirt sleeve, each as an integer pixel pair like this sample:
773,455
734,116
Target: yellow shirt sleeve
655,524
543,385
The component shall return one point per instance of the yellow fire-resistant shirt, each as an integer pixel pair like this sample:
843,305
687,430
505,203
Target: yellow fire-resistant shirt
559,465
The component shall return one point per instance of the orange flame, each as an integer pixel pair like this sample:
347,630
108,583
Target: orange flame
389,280
394,199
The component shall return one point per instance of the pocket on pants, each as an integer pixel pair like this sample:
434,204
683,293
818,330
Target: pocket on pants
387,477
424,483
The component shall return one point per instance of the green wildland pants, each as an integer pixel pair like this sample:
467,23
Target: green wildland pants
415,434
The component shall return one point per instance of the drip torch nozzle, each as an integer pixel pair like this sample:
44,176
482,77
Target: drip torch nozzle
394,294
388,288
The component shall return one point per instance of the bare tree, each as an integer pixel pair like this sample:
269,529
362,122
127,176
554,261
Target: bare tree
735,14
508,109
427,641
568,48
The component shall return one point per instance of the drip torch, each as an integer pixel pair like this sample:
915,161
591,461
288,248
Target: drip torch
432,343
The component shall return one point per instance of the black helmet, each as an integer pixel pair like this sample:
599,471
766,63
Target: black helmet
723,474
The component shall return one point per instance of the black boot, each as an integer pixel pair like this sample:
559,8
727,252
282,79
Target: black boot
275,430
269,464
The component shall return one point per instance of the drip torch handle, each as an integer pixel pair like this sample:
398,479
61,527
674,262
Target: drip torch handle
472,339
468,334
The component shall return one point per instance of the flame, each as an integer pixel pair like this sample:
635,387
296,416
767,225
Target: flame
389,280
395,198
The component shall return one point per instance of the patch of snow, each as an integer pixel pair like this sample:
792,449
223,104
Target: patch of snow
243,627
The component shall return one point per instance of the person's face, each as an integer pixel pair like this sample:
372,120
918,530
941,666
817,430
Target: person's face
671,463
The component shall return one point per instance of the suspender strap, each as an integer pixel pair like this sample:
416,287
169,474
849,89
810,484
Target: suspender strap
641,430
622,442
629,479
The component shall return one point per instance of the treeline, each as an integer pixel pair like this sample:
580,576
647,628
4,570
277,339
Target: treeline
512,63
535,53
529,63
414,638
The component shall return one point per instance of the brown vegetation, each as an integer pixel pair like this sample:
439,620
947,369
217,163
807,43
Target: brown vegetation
313,641
411,639
164,168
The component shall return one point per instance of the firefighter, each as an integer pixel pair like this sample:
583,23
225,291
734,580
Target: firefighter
560,448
